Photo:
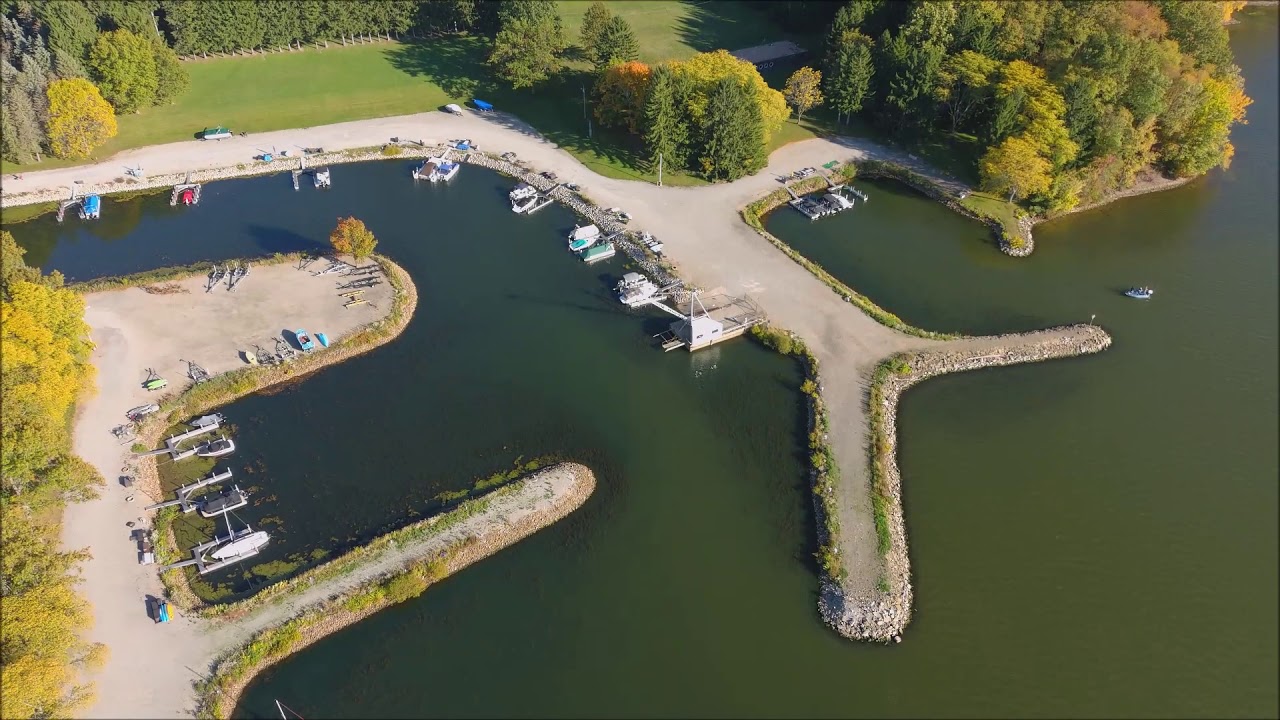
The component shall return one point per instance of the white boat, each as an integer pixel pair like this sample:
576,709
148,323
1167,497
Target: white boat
244,545
635,289
522,204
582,233
1141,293
655,246
207,420
321,178
837,201
217,448
453,109
141,411
522,191
436,170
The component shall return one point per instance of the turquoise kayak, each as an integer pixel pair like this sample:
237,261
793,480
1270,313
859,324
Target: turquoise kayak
324,339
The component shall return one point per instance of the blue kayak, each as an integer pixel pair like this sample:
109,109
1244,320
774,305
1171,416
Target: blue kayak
324,339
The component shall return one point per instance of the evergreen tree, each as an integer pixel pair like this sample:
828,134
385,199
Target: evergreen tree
171,77
527,48
593,22
21,133
125,68
848,74
734,132
666,130
617,44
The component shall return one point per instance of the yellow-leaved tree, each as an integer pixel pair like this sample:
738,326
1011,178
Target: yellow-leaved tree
1015,165
804,90
705,70
620,95
352,237
44,354
80,119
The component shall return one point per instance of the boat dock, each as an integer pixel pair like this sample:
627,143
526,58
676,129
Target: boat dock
172,443
704,323
178,191
836,200
198,559
186,491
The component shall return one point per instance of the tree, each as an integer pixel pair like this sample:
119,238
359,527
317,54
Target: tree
125,67
1194,133
909,73
1197,26
353,238
705,70
620,95
171,77
79,118
70,28
527,49
617,43
666,129
1015,165
733,130
593,23
964,84
849,72
804,90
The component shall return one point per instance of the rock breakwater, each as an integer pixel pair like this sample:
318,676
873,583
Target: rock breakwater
883,615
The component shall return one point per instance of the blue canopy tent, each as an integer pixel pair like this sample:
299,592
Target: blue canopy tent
481,105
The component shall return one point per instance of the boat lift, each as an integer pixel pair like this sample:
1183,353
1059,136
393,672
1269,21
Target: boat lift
178,191
202,564
196,373
699,328
186,491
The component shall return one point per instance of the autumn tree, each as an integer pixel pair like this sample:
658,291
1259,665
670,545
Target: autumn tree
124,66
964,84
666,126
616,43
351,237
704,71
79,118
528,46
1017,166
1194,133
804,90
733,132
849,69
620,95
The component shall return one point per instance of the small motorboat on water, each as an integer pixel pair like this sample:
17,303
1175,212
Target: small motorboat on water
217,448
1140,293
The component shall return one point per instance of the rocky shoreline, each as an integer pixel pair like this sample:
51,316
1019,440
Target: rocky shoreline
233,674
883,616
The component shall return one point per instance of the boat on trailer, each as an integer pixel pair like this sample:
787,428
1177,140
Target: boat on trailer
304,340
217,448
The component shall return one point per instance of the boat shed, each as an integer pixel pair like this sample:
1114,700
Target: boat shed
765,57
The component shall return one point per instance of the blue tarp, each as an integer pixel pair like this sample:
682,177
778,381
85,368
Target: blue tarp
481,104
91,204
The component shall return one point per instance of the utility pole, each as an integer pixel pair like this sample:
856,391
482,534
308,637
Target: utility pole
659,169
584,101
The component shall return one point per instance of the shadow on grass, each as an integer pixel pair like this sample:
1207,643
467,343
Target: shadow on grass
709,26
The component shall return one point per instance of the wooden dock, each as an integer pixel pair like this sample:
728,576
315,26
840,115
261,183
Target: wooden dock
186,491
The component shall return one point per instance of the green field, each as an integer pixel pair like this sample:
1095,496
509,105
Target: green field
322,86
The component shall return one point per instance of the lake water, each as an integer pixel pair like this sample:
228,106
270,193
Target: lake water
1089,537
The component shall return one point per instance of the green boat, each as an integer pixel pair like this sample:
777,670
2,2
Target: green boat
156,384
598,252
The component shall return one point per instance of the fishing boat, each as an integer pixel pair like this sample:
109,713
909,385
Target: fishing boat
322,339
304,340
141,411
246,544
231,500
217,448
598,253
156,384
635,289
1140,293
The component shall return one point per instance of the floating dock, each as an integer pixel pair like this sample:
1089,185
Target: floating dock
704,323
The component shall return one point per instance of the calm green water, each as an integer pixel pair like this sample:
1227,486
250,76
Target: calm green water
1090,538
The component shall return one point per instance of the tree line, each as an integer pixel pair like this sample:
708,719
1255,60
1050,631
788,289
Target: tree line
1070,100
45,350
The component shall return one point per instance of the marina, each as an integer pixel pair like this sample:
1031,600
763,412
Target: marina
836,199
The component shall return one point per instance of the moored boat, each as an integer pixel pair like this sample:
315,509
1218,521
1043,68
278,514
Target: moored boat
635,289
598,253
244,545
523,203
233,499
217,448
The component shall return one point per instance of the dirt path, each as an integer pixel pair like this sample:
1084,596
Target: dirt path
705,237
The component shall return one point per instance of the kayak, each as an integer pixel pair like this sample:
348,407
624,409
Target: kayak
324,339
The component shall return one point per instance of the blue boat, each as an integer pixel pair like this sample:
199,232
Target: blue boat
304,340
163,613
481,105
92,207
324,339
